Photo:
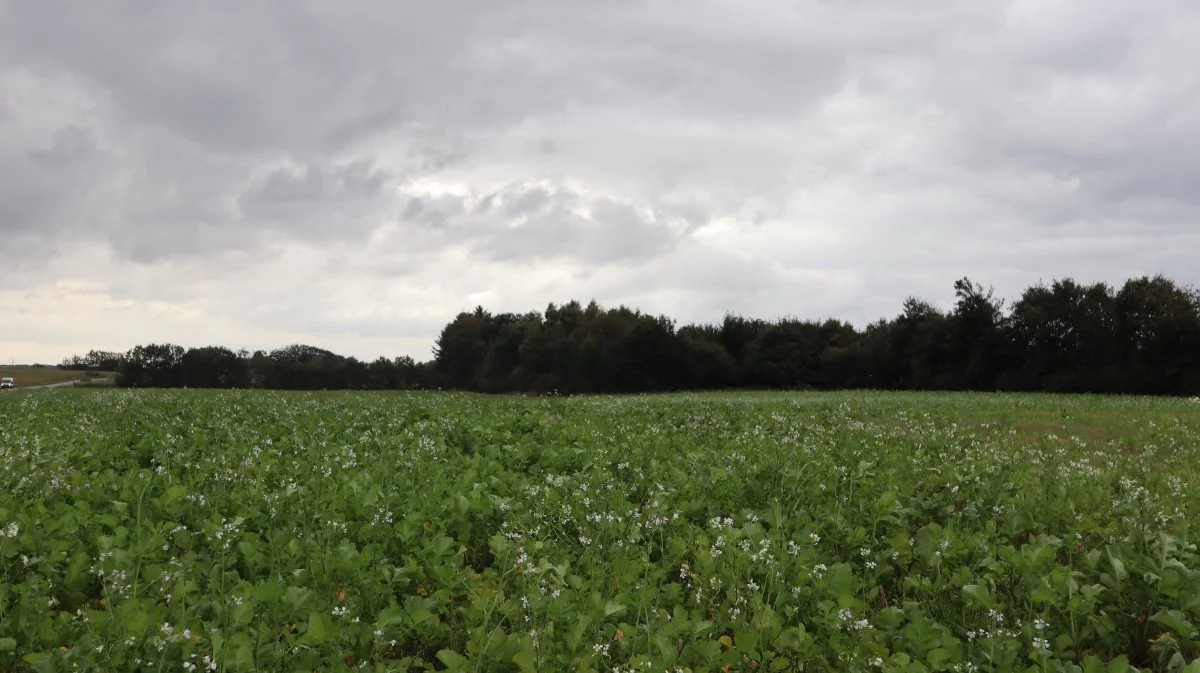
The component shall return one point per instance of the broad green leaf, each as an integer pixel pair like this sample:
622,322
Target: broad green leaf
526,660
453,660
317,632
980,594
613,608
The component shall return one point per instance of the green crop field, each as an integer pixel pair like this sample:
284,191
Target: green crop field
239,531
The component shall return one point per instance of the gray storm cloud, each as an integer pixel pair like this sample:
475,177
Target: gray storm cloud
768,157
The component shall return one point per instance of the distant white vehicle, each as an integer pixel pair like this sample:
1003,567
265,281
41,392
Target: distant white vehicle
6,383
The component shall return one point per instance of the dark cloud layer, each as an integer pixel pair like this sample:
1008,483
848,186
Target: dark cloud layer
704,155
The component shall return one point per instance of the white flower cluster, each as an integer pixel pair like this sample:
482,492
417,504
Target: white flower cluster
846,617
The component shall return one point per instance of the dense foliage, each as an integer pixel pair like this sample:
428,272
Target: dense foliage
1065,337
1143,338
239,531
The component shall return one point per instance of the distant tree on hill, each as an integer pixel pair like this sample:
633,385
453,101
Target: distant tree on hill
94,360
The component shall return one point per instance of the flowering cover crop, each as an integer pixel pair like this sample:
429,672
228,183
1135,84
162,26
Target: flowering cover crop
240,531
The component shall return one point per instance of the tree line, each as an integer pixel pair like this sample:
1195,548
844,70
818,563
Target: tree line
295,367
1143,337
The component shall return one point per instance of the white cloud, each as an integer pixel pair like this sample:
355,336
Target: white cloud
352,175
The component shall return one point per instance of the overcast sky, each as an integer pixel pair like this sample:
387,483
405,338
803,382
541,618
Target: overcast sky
352,174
